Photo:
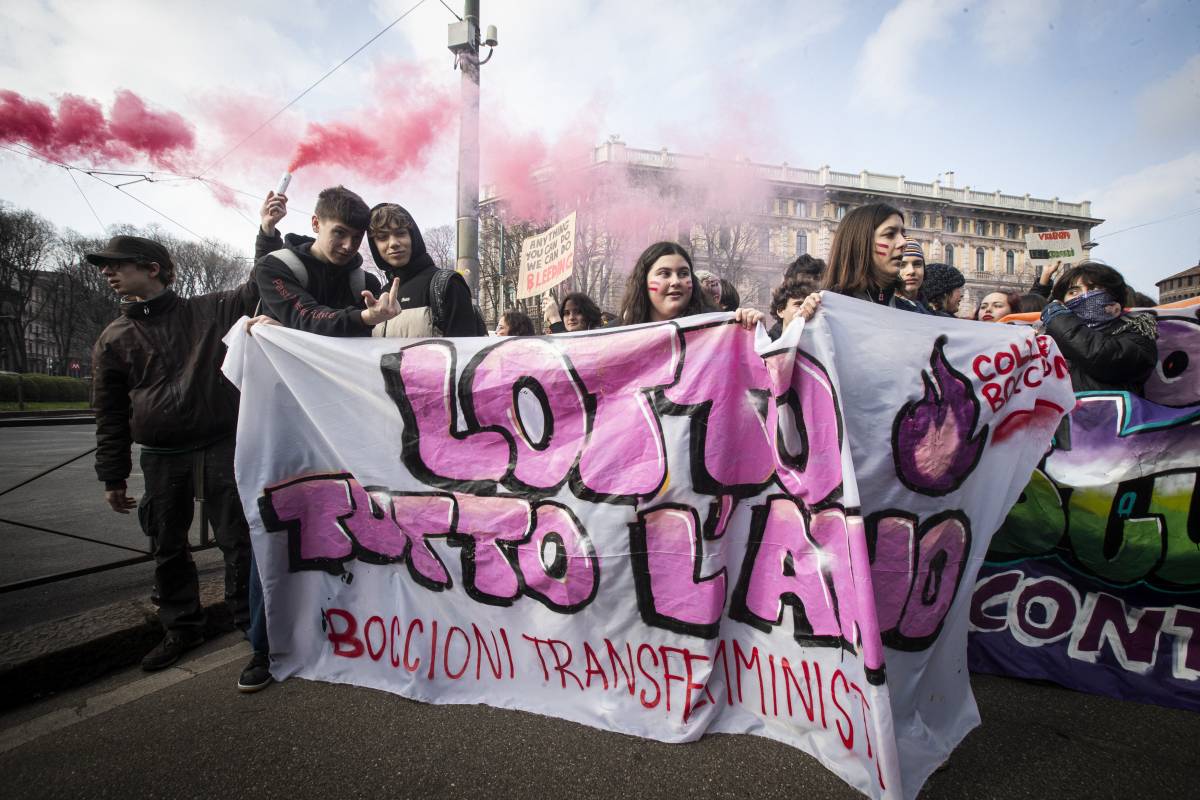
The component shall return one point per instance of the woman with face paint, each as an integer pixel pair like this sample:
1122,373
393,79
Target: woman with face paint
662,287
1107,348
867,256
576,312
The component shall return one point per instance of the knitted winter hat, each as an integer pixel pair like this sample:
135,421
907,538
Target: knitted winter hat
941,279
912,248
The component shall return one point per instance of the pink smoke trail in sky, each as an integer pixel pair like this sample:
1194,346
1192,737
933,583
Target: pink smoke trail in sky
80,130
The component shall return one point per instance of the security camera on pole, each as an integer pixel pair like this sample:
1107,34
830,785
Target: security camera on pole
464,43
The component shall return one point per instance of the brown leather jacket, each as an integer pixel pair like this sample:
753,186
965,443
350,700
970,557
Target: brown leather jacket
157,376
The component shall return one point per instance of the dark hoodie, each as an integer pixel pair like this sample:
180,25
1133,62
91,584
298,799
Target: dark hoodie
328,305
414,294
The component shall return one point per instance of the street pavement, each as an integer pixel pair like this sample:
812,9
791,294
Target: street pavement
187,733
69,500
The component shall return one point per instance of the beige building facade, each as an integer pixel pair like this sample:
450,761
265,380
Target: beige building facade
981,233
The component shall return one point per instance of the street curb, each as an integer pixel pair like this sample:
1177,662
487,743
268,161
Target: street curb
62,654
19,420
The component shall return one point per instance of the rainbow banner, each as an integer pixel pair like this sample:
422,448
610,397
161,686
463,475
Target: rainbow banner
1093,580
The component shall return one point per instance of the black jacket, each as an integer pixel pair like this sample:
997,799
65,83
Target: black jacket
157,376
328,305
1117,357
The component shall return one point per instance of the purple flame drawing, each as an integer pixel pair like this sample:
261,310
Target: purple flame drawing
933,443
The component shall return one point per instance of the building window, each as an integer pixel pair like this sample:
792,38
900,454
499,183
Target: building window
1010,262
980,228
764,241
950,224
918,220
979,259
1010,231
801,208
950,254
841,211
801,243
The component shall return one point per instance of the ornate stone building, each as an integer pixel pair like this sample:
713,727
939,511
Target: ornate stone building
1180,286
981,233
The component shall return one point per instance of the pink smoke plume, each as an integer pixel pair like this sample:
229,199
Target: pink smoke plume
408,116
80,130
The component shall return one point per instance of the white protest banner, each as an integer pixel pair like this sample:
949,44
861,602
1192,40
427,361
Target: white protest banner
547,259
1047,247
664,530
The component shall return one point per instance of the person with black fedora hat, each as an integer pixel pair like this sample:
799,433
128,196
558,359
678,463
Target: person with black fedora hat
158,382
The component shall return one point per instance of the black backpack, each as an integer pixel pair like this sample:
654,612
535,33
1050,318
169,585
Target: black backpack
438,288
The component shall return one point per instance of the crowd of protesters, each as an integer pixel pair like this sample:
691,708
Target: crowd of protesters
157,367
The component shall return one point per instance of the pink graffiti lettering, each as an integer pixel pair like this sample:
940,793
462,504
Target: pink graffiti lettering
673,590
724,413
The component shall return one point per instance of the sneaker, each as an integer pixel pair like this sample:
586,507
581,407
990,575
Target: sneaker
257,674
170,649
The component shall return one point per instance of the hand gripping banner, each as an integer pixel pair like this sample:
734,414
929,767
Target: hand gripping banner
663,530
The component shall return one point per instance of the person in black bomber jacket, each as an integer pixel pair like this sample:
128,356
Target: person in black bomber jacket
157,381
1107,348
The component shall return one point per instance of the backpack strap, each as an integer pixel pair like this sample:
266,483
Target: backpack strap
293,263
438,288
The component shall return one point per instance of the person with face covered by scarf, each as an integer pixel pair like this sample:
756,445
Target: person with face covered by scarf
1107,348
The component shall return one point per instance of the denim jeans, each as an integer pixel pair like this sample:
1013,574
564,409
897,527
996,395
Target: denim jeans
257,632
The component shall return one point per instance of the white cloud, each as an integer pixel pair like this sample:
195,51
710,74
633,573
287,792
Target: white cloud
885,77
1169,110
1013,30
1151,195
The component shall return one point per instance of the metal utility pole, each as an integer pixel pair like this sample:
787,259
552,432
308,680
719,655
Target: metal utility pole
464,42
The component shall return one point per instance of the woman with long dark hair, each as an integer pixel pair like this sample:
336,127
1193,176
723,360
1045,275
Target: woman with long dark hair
867,256
514,323
576,312
662,287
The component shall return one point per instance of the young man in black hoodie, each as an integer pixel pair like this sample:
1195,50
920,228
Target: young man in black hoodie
433,301
316,285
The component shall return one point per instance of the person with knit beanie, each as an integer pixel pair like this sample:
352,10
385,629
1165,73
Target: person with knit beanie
942,290
912,274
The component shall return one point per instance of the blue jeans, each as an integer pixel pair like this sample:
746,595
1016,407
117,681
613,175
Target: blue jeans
257,632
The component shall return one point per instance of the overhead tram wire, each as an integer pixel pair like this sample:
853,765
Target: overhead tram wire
1145,224
71,175
312,86
140,177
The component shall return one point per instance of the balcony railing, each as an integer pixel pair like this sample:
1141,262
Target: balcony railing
617,152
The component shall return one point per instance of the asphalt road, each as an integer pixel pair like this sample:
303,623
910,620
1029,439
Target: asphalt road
187,733
70,500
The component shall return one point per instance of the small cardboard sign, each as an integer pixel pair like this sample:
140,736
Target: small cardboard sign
1047,247
547,259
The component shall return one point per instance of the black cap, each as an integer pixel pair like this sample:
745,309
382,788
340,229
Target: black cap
132,248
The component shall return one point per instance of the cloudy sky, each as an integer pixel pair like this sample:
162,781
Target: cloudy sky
1079,100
